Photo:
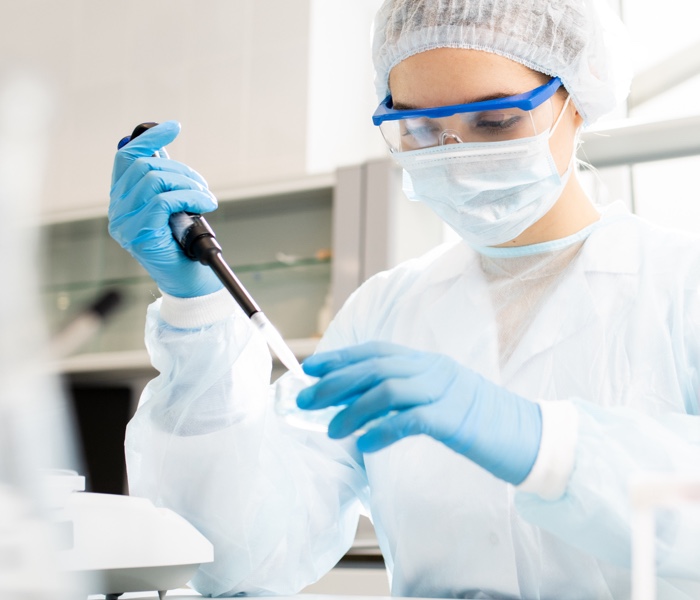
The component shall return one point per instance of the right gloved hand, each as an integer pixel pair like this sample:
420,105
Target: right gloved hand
397,392
145,192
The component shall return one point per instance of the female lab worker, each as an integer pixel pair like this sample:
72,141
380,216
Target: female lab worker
498,392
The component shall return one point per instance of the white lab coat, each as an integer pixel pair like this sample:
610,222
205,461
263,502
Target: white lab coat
617,341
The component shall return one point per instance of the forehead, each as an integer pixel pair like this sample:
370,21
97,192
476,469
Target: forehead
456,75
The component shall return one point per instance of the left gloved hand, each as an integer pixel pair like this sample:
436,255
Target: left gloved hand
420,392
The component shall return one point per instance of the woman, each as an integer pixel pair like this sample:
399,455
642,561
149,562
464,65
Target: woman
544,360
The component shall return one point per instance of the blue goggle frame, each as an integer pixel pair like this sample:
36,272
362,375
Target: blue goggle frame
525,101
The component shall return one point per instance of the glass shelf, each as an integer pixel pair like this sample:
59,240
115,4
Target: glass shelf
75,286
292,295
278,246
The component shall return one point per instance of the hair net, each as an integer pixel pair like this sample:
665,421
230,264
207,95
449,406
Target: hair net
580,41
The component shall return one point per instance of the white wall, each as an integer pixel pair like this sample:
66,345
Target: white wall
244,77
341,91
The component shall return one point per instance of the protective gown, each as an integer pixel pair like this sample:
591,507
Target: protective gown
605,323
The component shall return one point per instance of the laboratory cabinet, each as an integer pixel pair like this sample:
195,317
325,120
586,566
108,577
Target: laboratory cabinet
279,246
278,241
301,247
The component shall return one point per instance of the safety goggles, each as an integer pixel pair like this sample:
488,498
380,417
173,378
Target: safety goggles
510,118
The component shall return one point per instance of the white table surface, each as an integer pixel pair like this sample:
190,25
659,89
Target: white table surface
192,595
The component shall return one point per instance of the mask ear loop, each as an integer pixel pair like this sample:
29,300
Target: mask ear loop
571,167
561,116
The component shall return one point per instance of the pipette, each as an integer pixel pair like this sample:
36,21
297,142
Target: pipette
85,325
198,241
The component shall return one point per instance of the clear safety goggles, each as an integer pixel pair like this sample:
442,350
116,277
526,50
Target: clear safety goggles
510,118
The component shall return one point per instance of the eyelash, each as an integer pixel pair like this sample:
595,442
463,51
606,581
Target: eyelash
496,127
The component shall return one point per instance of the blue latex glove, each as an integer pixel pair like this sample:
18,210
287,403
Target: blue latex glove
420,392
145,192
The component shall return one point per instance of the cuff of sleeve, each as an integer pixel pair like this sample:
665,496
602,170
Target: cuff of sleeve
191,313
555,460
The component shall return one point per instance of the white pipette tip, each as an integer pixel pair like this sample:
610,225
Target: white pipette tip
277,343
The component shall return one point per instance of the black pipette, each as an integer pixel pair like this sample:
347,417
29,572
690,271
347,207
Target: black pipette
86,324
198,241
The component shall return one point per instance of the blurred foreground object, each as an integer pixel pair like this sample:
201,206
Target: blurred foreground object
648,494
124,544
34,430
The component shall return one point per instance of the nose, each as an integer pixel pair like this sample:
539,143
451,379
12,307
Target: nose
449,137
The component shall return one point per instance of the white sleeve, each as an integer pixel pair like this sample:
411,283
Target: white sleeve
190,313
592,511
279,504
554,464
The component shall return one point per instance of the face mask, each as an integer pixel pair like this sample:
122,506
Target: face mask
491,192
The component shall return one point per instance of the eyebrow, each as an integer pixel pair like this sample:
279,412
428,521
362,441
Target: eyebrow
498,96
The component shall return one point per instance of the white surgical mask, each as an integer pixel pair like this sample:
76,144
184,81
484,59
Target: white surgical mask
491,192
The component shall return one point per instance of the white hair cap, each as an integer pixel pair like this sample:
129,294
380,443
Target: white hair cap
580,41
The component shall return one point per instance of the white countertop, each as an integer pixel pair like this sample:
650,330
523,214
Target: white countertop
192,595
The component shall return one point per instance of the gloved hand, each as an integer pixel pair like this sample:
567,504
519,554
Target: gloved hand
145,192
420,392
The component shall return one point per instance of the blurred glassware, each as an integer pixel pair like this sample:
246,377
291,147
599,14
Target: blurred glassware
34,424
